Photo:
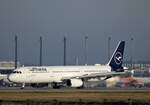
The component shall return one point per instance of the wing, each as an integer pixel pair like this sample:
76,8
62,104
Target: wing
96,75
109,74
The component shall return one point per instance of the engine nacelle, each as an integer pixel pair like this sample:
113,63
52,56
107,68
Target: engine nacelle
74,82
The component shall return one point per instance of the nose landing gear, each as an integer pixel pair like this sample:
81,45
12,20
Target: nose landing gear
23,85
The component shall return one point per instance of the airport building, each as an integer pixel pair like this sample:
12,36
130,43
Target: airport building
140,66
140,70
6,67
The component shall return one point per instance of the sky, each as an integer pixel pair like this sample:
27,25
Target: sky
54,19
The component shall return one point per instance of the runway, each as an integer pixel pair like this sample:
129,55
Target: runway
29,89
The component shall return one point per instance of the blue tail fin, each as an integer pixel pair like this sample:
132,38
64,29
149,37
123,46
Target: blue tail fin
116,60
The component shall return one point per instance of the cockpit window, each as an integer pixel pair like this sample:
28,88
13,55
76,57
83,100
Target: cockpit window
14,71
17,72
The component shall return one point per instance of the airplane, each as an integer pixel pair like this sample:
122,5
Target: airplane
71,76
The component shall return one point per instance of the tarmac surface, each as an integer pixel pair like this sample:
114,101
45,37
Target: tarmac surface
29,89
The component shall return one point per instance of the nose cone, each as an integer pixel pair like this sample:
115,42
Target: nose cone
11,78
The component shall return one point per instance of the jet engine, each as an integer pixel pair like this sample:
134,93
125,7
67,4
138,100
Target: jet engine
74,82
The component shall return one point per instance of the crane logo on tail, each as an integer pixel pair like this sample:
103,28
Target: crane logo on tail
118,58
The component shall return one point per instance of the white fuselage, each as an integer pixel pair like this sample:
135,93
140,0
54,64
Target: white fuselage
48,74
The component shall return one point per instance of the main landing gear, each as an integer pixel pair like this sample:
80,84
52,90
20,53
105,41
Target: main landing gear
55,85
